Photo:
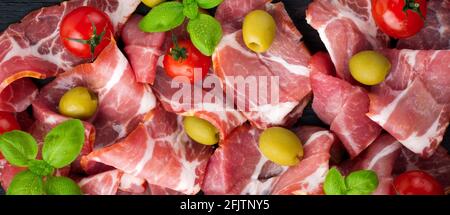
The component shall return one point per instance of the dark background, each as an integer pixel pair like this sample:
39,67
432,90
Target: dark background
12,11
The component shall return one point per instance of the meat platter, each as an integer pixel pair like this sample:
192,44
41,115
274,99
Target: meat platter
138,137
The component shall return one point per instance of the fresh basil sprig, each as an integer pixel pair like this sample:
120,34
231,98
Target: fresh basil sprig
61,147
362,182
205,30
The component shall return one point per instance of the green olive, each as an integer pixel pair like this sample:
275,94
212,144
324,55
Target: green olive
369,67
259,30
152,3
281,146
201,130
78,103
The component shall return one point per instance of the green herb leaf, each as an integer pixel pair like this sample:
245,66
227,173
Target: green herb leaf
26,183
61,186
362,182
18,147
334,183
63,143
40,167
163,17
208,4
190,9
205,32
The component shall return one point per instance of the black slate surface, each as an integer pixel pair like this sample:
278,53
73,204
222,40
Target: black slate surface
12,11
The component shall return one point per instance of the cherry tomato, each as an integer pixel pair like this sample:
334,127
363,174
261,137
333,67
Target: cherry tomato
183,59
417,183
8,122
86,31
399,18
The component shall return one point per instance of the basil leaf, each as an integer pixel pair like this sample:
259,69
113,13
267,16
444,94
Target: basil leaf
205,32
40,167
63,143
190,9
26,183
163,17
362,182
208,4
18,147
61,186
334,183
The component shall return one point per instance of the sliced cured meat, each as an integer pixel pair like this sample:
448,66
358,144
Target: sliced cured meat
412,104
106,183
123,102
238,167
132,184
308,176
436,32
159,151
342,106
143,49
17,96
207,102
157,190
32,48
379,157
438,165
345,28
271,88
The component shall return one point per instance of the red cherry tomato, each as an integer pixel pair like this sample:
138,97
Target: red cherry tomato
183,59
86,31
399,18
417,183
8,122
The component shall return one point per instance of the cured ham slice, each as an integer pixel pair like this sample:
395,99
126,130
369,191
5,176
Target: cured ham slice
438,165
308,176
412,104
32,48
17,96
106,183
278,77
342,106
238,167
345,28
210,104
132,184
159,151
436,32
380,157
143,49
123,102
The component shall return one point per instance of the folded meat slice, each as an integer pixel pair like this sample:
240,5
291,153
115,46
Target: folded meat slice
436,32
238,167
380,157
345,28
207,102
438,165
143,49
412,104
17,96
32,48
132,184
159,151
271,88
342,106
123,102
308,176
105,183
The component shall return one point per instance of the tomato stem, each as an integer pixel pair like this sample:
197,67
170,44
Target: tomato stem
176,52
413,6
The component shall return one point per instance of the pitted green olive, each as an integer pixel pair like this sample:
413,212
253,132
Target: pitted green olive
78,103
201,130
281,146
259,30
369,67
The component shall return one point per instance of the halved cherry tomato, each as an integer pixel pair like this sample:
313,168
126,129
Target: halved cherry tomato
86,31
8,122
399,18
183,59
417,183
